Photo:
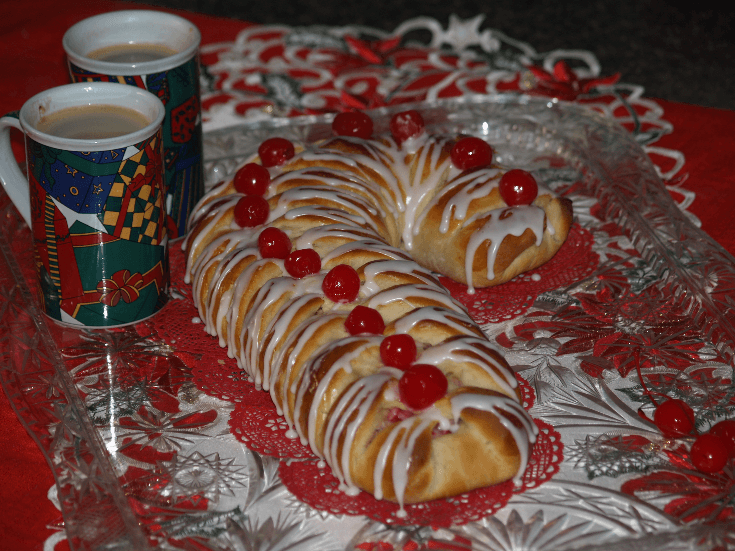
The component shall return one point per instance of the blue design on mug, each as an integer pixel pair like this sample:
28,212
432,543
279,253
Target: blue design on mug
178,89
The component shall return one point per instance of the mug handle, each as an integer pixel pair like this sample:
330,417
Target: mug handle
12,178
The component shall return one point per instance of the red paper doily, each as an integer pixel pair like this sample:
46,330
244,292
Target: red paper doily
262,430
574,261
317,487
256,423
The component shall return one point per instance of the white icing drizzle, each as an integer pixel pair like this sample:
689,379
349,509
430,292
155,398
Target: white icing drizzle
463,349
344,231
380,160
344,180
412,144
405,293
228,263
373,269
372,245
348,201
448,318
354,403
216,220
271,292
202,207
472,185
503,407
277,330
501,223
289,353
343,364
354,196
421,188
406,432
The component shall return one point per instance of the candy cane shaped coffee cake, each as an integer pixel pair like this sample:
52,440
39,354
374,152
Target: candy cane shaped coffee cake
316,267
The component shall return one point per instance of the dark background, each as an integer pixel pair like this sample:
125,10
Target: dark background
677,51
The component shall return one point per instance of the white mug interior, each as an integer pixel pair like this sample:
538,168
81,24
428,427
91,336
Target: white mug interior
131,27
85,94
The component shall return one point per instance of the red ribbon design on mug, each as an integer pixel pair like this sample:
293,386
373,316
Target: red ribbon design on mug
123,285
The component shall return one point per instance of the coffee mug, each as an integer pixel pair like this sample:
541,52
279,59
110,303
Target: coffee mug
159,52
94,199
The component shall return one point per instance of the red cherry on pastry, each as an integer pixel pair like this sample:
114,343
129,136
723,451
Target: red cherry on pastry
708,453
674,418
353,123
398,350
341,284
275,151
252,179
303,262
726,430
364,320
405,125
251,211
274,243
421,385
471,152
518,187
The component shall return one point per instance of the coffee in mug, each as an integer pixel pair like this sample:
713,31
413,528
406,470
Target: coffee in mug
132,53
89,122
158,52
95,201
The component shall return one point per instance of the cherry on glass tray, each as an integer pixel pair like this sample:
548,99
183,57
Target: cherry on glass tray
159,441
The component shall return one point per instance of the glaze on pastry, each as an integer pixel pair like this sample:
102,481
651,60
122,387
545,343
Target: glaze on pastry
389,211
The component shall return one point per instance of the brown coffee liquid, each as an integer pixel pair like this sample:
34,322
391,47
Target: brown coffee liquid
92,122
132,53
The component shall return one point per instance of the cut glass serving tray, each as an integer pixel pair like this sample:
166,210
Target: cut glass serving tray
154,442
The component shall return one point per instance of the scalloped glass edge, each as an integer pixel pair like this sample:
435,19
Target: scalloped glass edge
615,170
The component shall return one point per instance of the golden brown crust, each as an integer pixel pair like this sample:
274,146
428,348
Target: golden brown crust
333,388
444,251
481,452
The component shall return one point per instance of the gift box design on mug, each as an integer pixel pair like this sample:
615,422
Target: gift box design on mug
158,52
78,195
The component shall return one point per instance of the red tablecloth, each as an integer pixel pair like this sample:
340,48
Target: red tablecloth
33,60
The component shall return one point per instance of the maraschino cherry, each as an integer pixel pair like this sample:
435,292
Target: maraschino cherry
252,179
251,211
518,187
341,284
275,151
364,320
422,385
353,123
303,262
708,453
406,125
471,152
398,350
726,430
674,418
274,243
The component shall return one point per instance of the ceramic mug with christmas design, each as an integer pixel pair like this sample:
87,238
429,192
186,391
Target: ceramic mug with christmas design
158,52
94,199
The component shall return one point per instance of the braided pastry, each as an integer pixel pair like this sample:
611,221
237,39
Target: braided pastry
315,268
